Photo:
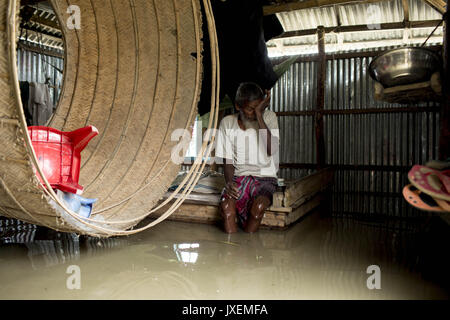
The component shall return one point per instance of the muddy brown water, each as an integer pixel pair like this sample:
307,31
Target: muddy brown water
317,258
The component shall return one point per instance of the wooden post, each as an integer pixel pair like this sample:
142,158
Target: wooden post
405,4
320,140
444,142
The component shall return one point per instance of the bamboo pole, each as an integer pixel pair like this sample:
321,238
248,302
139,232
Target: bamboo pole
320,141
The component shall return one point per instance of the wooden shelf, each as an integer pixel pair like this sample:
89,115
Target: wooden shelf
299,198
411,93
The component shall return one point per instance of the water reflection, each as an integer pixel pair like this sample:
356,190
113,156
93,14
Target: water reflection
318,258
15,231
46,253
46,248
186,252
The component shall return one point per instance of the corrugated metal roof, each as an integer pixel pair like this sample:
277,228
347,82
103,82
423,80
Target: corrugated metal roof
370,139
371,14
42,28
308,18
356,14
419,10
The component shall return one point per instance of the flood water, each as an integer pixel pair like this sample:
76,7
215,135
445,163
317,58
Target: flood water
317,258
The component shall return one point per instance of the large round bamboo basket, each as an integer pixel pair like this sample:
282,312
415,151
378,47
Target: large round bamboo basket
133,70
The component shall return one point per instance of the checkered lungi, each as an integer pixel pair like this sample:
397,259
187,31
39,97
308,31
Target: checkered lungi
249,188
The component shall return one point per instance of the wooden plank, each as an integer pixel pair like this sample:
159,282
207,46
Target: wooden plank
300,201
277,199
405,4
280,209
52,24
407,87
192,213
272,220
204,208
298,192
201,213
28,47
304,209
214,200
45,38
438,5
410,93
361,28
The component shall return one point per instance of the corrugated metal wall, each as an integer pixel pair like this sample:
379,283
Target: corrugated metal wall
296,90
395,140
36,67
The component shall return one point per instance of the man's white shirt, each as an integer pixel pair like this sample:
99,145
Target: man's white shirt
246,149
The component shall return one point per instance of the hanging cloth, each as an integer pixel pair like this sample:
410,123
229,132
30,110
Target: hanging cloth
40,105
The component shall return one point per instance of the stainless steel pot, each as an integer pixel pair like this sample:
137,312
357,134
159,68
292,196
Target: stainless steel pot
404,66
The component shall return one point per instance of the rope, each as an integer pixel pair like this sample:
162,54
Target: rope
443,18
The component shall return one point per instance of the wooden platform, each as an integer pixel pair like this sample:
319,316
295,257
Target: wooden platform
411,93
299,198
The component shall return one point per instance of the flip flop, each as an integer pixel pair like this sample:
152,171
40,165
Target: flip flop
433,182
76,203
420,200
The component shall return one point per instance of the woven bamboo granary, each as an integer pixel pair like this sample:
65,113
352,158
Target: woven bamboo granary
133,70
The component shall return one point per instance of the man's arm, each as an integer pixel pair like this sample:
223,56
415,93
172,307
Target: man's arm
230,186
228,172
262,124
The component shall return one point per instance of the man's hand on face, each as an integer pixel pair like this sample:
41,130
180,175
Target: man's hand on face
259,110
232,190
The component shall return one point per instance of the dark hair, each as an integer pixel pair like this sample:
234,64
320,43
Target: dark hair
248,91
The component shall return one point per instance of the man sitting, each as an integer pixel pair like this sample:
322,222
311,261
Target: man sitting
248,144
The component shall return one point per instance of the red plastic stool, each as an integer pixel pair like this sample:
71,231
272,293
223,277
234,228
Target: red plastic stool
58,154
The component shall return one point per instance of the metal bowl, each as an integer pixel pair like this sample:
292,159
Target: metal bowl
404,66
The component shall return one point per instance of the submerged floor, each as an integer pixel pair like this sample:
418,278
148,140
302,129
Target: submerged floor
318,258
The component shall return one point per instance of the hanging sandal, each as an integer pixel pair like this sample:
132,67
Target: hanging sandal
420,200
433,182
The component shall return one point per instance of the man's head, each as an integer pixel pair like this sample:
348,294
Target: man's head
248,96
